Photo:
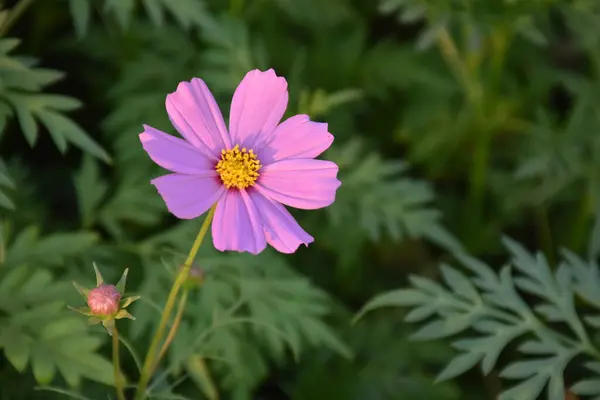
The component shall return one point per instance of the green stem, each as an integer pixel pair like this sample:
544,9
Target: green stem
545,232
116,368
460,69
473,93
174,327
477,180
580,227
14,14
149,362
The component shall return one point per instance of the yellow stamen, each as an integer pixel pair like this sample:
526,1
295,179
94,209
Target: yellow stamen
238,168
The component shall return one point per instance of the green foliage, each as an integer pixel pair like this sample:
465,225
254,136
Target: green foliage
251,308
35,327
5,182
397,366
381,200
453,122
21,83
490,305
187,13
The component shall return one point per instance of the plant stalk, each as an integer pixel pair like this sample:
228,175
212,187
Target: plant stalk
116,367
149,362
14,14
174,327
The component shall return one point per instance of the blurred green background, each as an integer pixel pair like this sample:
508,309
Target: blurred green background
455,122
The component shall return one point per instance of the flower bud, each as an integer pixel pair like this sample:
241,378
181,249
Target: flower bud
104,300
195,277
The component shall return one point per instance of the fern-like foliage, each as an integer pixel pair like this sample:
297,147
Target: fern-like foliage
21,83
491,310
378,196
36,329
252,311
525,17
187,13
558,155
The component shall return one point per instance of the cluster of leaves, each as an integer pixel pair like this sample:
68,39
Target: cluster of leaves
187,13
251,312
550,333
21,83
36,329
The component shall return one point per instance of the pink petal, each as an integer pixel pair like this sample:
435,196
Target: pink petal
258,105
296,137
175,154
196,116
300,183
189,196
236,225
281,229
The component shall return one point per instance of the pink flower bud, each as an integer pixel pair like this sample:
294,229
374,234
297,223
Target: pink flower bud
104,300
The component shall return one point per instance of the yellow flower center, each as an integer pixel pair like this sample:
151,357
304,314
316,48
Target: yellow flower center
238,168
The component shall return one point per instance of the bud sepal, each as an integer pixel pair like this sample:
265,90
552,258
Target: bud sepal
105,303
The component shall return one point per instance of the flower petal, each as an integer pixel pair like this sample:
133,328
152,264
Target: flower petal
189,196
196,116
281,229
301,183
236,225
175,154
258,105
296,137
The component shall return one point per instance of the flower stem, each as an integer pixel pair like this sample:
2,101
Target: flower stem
458,67
149,362
173,330
116,368
14,14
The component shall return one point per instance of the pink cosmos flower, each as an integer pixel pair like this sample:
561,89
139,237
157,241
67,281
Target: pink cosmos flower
251,170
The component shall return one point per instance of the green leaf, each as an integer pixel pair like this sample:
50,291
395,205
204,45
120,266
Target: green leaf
81,12
459,365
524,369
196,367
27,122
155,11
186,12
459,284
29,248
43,368
90,190
400,297
441,328
590,387
64,392
18,352
121,9
6,202
63,129
529,389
